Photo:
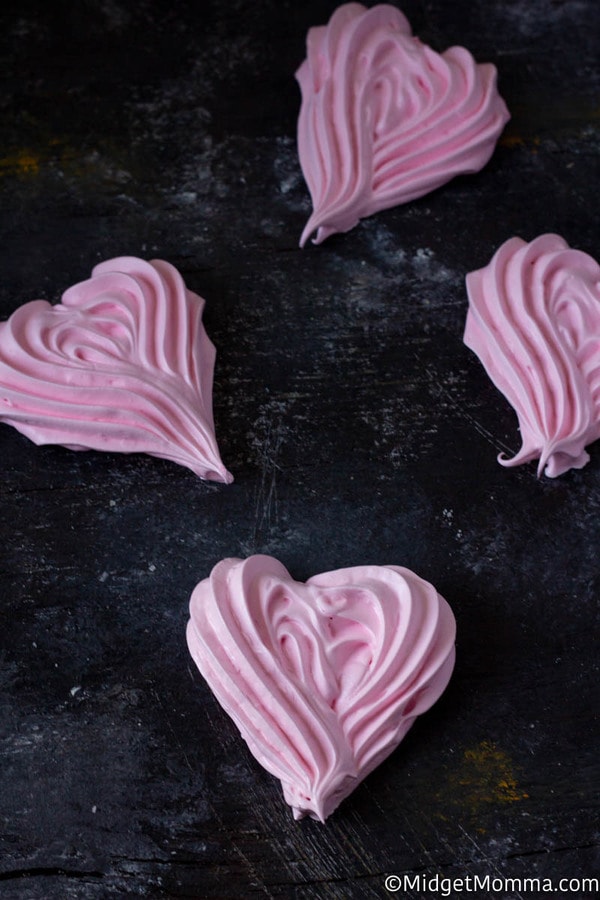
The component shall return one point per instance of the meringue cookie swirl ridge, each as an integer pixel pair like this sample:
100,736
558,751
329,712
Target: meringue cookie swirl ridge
384,119
534,322
322,679
122,364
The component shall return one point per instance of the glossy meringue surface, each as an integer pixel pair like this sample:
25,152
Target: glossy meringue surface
324,678
385,119
122,364
534,322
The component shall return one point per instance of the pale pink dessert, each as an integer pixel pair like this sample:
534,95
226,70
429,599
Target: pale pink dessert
384,119
122,364
323,679
534,322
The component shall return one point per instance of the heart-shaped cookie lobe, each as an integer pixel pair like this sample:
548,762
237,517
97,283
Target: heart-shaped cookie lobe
384,119
534,322
122,364
323,678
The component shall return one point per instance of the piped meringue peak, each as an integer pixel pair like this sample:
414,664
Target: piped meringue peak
384,119
122,364
534,322
323,679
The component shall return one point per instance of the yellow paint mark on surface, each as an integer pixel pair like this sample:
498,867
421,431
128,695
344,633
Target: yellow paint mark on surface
23,162
485,776
58,155
511,140
516,140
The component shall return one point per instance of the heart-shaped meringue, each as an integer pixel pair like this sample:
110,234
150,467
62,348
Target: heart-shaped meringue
322,679
534,322
122,364
384,119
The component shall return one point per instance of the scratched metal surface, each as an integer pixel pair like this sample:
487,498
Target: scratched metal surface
357,426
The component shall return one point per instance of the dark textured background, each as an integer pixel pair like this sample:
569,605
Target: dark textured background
358,427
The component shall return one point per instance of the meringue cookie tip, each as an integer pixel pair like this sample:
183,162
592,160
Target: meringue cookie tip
222,475
322,232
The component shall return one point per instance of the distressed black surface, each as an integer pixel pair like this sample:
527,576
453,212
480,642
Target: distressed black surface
358,427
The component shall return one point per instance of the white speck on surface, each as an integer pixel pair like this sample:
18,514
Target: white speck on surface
102,578
532,17
75,690
186,197
152,567
289,183
427,267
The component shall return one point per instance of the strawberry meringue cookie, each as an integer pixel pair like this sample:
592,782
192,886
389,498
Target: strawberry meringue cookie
384,119
534,322
122,364
323,679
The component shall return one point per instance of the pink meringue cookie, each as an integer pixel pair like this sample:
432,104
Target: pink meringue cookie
534,322
123,364
322,679
384,119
